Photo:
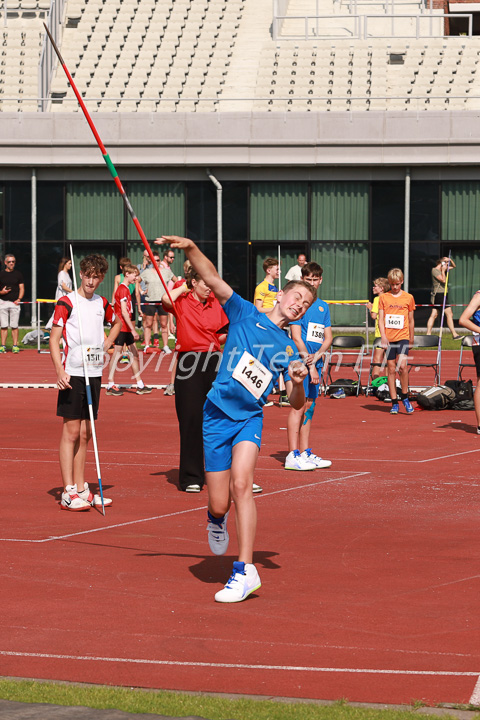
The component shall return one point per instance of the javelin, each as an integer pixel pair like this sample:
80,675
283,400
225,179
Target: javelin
110,165
87,382
439,351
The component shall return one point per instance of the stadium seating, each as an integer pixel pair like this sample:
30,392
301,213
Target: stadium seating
204,55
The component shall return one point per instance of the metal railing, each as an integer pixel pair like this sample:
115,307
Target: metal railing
47,63
359,27
274,103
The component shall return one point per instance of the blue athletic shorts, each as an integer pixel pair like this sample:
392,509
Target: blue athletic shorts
312,391
221,433
397,348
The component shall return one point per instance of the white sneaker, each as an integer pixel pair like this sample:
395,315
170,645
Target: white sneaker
218,536
167,350
296,461
256,488
94,500
243,581
194,488
315,459
72,501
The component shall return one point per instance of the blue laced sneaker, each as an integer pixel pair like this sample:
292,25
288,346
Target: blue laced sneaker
394,410
338,394
408,406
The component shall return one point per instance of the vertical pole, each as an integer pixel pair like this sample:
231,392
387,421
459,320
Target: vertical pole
406,234
219,223
279,268
34,246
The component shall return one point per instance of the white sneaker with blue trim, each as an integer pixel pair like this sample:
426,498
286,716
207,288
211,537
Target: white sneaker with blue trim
218,537
243,581
315,459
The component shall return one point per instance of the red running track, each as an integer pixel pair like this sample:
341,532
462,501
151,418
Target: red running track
369,569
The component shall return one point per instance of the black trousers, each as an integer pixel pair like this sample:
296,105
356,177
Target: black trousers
194,376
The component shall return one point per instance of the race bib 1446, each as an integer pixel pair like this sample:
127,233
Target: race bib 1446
254,376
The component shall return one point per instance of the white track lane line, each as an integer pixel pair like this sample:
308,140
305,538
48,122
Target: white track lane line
242,666
475,699
180,512
169,454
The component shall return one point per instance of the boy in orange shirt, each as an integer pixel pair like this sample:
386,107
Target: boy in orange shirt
396,325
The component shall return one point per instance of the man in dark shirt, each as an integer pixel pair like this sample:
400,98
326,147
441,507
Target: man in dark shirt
12,289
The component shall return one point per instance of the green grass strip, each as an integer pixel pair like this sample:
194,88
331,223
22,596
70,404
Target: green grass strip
181,704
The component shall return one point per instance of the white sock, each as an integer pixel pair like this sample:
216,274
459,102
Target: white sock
110,385
140,384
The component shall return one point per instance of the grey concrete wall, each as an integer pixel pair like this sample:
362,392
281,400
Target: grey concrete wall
302,143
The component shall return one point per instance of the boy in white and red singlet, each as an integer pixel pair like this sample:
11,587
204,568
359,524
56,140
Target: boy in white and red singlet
72,404
397,327
128,335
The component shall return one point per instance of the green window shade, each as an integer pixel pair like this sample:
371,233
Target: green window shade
460,211
345,277
160,208
94,211
340,211
278,211
463,281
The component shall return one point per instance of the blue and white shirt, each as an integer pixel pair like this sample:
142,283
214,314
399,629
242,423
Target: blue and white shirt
256,352
313,325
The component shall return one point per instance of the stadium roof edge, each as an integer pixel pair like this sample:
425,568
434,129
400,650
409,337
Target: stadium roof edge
242,139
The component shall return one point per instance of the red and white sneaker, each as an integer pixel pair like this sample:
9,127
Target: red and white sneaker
93,500
71,500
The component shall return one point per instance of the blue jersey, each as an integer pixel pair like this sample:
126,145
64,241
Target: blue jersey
255,354
313,325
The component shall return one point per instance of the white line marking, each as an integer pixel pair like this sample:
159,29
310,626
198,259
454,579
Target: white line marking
262,457
475,699
241,666
173,514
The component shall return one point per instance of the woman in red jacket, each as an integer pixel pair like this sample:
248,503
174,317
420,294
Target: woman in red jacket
201,324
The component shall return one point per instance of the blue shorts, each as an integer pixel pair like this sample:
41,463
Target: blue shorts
221,433
311,390
398,348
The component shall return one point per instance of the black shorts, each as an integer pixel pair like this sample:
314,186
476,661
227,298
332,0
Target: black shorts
151,310
72,404
125,338
476,358
438,300
397,348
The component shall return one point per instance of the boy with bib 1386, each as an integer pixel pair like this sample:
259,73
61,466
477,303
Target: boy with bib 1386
256,352
397,326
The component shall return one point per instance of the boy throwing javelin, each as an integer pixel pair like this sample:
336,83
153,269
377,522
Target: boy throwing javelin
397,326
72,403
256,352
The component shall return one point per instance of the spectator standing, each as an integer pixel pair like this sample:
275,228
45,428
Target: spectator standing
12,290
380,286
313,336
295,272
128,335
200,317
439,278
72,403
166,264
265,295
397,327
64,284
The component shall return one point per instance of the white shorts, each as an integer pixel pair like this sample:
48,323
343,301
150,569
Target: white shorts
9,314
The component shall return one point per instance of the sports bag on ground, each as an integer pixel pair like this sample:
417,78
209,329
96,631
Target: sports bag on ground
438,397
463,390
349,386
